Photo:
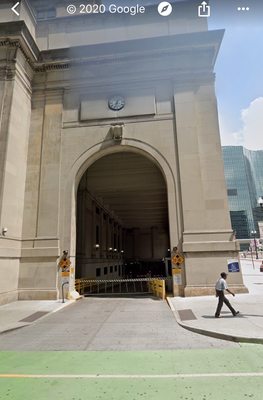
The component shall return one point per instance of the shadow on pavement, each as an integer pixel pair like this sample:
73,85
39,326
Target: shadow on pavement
225,316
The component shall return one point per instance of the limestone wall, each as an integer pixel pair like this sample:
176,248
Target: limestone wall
14,128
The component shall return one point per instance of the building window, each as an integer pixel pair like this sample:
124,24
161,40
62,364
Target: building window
111,270
97,271
97,234
232,192
105,270
46,14
115,268
97,210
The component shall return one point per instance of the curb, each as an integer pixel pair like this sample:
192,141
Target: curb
223,336
15,328
8,330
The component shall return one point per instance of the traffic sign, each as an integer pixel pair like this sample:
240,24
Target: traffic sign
64,263
233,266
178,259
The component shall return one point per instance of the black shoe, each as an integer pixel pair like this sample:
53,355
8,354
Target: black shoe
237,312
217,316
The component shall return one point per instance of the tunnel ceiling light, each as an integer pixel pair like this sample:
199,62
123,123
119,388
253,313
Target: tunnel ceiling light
260,201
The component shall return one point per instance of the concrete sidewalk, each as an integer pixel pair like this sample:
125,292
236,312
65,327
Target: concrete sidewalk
23,313
197,313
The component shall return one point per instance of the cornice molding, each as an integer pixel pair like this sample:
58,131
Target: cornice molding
173,48
17,32
7,72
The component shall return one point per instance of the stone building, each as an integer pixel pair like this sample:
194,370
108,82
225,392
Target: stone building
109,147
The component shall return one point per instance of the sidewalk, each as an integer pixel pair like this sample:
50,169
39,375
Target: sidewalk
22,313
197,313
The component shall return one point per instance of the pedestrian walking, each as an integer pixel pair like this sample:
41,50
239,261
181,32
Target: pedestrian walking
220,287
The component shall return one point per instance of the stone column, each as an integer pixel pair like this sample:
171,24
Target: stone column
15,105
40,250
107,235
260,227
93,228
101,234
207,234
48,212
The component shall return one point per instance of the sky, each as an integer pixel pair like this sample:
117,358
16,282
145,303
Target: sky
239,78
239,69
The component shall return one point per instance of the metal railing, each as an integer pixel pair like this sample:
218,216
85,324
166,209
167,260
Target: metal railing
154,286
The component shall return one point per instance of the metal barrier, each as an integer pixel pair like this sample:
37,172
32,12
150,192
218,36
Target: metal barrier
155,286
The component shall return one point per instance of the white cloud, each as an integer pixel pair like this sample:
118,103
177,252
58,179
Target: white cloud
251,134
229,138
252,118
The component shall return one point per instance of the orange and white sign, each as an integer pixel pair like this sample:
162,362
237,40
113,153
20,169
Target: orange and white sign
177,259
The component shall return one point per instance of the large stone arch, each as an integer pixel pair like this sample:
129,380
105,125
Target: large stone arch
94,153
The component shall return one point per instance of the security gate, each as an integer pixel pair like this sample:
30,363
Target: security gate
89,287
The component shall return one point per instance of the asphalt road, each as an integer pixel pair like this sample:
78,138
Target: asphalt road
109,324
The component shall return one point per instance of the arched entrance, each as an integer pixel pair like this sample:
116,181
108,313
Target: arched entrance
122,218
87,159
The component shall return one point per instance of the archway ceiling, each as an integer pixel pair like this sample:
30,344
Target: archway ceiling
130,185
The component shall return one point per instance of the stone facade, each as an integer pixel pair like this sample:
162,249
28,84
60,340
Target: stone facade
56,78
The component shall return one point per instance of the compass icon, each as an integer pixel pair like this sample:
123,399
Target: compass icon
165,8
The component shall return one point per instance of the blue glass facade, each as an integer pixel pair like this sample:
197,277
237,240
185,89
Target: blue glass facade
244,180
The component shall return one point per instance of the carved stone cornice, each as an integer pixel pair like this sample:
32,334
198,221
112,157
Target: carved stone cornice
16,35
175,51
170,48
56,66
185,81
17,44
7,72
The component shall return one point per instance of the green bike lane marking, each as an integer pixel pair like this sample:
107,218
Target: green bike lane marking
224,388
225,374
246,358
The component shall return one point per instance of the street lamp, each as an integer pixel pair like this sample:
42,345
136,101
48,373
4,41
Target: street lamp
253,233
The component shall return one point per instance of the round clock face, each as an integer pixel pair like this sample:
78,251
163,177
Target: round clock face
116,103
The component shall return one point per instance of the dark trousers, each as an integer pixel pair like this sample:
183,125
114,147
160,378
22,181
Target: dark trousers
222,299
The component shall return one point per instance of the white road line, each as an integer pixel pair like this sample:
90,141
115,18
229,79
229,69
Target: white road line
130,376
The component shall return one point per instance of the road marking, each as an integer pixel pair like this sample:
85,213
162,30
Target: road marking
103,376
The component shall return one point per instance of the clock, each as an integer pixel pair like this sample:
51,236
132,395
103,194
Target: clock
116,103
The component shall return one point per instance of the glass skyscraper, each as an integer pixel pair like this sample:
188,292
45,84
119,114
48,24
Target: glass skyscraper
244,179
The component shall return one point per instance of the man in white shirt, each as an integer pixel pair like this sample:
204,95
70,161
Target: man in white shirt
221,285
